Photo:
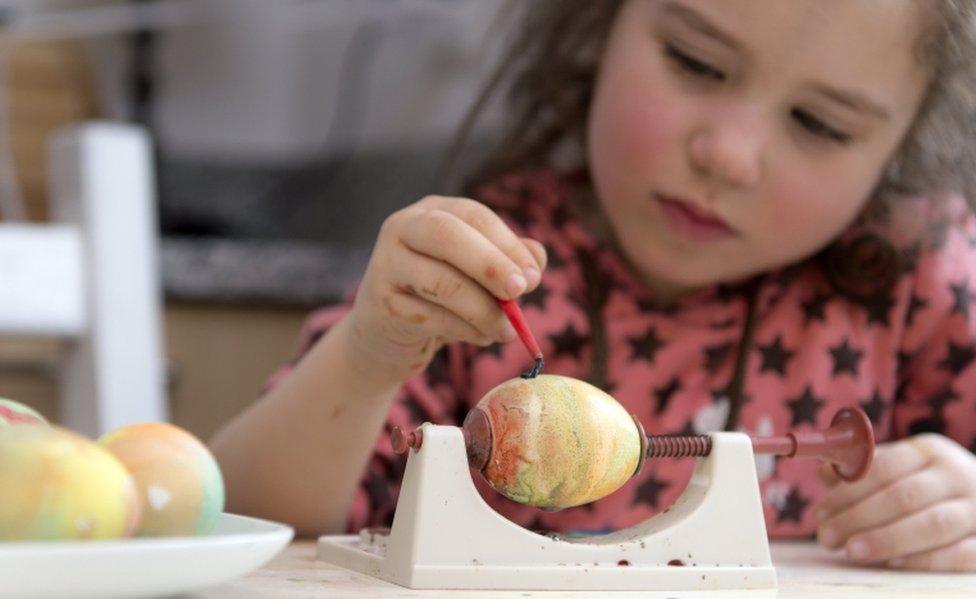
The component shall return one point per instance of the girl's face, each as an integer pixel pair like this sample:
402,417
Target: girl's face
728,138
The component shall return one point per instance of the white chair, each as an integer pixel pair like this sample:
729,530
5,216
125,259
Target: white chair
91,276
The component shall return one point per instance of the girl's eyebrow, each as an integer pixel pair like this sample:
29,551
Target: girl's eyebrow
853,100
694,19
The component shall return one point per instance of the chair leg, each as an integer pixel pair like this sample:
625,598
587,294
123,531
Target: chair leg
102,181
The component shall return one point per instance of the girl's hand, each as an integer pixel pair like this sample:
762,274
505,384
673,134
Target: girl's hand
915,509
435,273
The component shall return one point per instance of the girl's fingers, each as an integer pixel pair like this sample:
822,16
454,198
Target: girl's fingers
538,251
944,523
489,224
901,498
431,320
955,557
444,236
827,475
447,287
892,461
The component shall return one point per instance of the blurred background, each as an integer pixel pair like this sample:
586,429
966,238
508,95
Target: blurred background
281,133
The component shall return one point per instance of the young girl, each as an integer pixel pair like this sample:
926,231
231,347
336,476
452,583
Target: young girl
764,226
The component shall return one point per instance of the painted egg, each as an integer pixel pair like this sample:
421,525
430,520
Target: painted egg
177,478
557,442
56,484
12,412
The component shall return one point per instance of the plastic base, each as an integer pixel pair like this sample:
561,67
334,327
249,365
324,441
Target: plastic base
445,536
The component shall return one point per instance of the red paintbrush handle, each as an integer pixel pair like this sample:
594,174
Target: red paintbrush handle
514,314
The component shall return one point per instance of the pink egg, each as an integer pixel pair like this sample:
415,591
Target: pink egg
177,478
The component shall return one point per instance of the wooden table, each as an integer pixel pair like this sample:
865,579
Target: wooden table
804,570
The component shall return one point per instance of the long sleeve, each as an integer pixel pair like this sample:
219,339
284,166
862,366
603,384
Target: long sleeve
937,377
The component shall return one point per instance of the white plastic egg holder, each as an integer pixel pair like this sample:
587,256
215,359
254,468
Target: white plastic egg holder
445,536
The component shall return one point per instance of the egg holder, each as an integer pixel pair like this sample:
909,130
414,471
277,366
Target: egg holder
445,536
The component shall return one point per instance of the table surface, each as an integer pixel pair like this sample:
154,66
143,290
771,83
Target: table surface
804,569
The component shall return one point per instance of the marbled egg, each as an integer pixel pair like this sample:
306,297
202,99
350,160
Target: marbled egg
177,478
12,412
558,442
56,484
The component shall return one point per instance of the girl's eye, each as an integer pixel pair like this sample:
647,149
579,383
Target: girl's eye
818,127
692,65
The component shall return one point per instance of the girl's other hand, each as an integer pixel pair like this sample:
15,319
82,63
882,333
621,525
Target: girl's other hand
434,275
915,509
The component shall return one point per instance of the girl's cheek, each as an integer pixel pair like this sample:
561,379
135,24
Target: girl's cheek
808,211
633,130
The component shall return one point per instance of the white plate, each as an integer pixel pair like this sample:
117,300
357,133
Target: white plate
139,567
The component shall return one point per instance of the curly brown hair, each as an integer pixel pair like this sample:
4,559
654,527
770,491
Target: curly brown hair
550,71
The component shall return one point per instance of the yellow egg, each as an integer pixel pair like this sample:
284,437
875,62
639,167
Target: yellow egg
56,484
557,442
12,412
177,478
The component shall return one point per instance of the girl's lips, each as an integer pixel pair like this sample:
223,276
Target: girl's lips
691,222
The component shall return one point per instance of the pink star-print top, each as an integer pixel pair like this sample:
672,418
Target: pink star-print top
906,358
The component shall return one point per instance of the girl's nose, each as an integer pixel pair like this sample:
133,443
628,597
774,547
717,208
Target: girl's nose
727,154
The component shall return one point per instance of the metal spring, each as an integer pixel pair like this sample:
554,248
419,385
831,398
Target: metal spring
678,446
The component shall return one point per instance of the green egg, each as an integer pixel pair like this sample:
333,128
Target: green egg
178,481
12,412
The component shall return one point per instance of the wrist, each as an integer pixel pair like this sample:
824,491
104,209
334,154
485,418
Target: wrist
384,367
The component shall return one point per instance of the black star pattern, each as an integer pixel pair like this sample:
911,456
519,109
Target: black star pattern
715,356
805,407
962,297
814,309
417,414
649,490
537,297
914,305
650,306
665,393
522,214
378,491
728,323
719,395
560,216
846,358
958,358
879,309
927,425
874,407
494,349
775,357
438,371
904,361
730,291
942,398
608,387
553,259
568,342
645,347
908,259
793,509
